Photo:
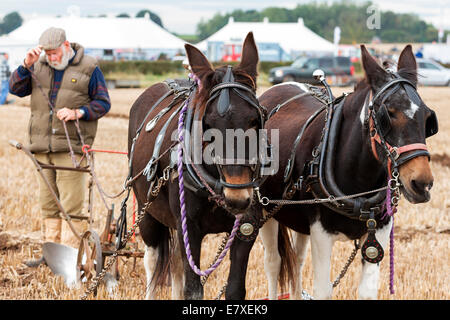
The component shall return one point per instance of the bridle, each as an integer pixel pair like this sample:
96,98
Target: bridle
380,125
221,93
318,174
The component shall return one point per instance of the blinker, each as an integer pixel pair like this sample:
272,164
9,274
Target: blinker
383,119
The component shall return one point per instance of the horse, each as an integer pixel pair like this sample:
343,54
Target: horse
221,99
382,124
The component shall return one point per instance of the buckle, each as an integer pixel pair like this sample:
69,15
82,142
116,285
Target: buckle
394,152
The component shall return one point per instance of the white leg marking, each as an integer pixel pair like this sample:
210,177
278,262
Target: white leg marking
177,272
150,258
369,282
272,259
300,243
321,248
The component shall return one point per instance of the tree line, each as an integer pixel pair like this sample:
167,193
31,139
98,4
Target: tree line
10,22
322,18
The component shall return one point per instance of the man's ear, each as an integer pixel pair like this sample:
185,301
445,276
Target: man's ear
376,76
197,60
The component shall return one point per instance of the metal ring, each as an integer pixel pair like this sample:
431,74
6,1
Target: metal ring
166,174
373,132
264,201
371,223
395,174
315,152
395,153
395,200
393,184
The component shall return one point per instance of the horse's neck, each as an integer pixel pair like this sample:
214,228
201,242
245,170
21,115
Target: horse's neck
354,159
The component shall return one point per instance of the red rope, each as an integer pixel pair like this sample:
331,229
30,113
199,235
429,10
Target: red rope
133,239
86,149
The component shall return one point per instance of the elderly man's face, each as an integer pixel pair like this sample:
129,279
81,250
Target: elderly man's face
59,58
54,55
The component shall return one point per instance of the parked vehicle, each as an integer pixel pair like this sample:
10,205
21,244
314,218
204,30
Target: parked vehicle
339,71
432,73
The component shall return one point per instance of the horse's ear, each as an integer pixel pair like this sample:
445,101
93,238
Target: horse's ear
197,60
250,58
407,63
376,76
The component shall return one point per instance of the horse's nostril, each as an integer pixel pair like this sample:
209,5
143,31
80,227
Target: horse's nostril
420,186
239,204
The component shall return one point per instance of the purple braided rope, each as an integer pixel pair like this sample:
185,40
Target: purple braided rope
390,212
187,247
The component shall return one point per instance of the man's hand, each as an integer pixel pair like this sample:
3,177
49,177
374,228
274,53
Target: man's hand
32,56
67,114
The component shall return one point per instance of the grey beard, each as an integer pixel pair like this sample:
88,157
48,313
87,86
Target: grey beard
67,55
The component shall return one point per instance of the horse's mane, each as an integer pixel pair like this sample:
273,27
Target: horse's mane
407,73
210,78
361,85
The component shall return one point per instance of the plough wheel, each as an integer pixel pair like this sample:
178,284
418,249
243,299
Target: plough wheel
89,259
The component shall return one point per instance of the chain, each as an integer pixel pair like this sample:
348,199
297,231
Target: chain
266,201
219,252
97,279
350,259
347,265
161,181
394,185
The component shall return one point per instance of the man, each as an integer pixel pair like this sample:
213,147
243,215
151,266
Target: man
75,86
4,76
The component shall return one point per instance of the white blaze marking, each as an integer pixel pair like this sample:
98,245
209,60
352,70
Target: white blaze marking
412,110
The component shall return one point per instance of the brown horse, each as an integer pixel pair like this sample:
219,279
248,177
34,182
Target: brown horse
358,165
223,99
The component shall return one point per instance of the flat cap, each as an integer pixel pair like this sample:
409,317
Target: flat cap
52,38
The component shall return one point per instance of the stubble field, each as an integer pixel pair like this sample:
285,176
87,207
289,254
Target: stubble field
422,232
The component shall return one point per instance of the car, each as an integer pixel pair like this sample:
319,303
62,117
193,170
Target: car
338,71
432,73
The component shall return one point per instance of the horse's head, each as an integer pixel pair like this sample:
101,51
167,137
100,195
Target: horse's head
400,122
231,117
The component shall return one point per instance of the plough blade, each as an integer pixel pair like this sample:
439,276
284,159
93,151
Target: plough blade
62,260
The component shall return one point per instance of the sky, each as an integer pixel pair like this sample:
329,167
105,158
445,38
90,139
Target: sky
182,16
